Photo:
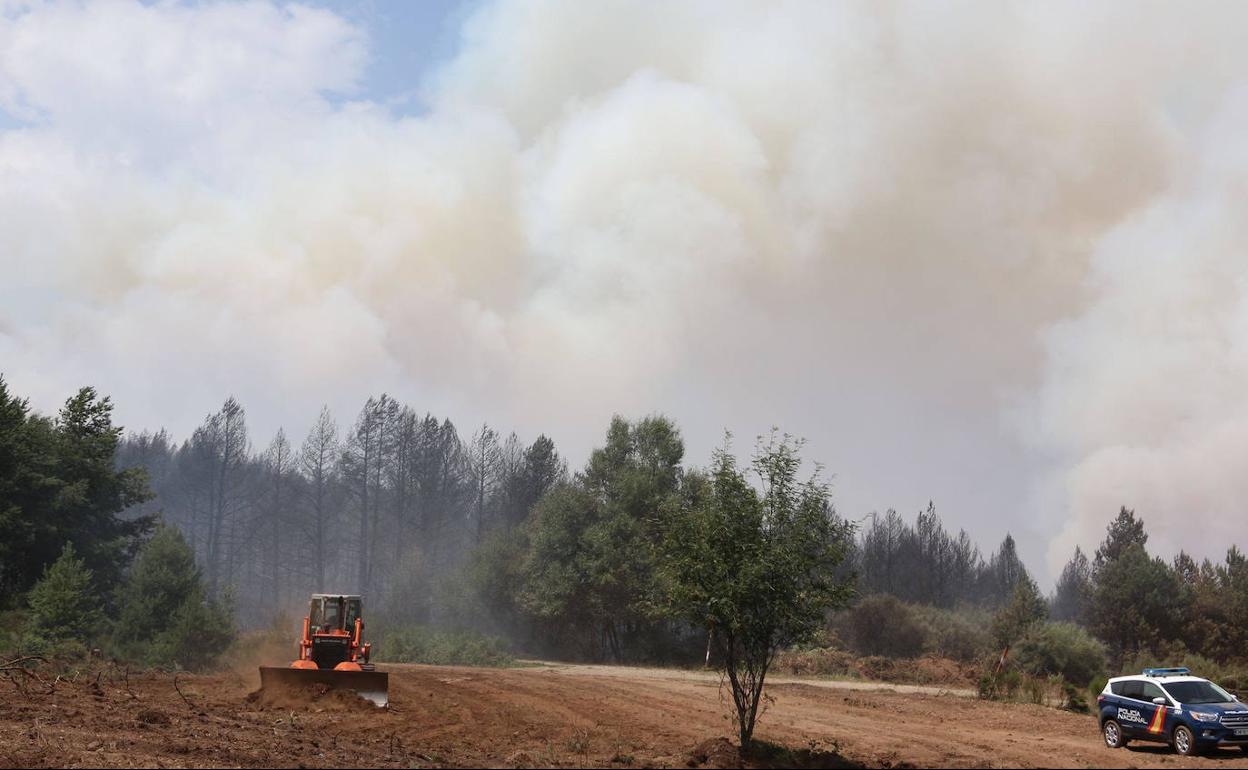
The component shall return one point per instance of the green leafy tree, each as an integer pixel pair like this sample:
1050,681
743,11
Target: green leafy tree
755,564
496,575
572,577
64,606
166,618
591,566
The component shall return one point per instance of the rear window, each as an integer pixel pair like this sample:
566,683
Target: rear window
1131,688
1118,688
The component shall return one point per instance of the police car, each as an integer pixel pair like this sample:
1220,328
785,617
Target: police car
1169,705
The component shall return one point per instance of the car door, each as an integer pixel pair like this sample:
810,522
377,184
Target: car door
1135,712
1156,714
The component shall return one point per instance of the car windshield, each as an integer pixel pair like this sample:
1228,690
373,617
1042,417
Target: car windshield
1198,692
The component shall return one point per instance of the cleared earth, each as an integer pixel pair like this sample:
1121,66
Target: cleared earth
536,716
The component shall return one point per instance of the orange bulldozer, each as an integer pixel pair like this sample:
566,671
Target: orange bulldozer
332,652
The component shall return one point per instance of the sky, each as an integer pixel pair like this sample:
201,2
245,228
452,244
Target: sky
991,255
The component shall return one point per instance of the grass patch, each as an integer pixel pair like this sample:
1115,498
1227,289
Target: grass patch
421,644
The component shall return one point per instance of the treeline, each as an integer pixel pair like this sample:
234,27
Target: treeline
1119,611
1138,604
581,577
486,533
924,564
69,537
386,507
1144,607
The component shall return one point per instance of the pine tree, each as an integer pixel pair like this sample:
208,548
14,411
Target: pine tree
1074,587
1122,533
485,463
1004,573
63,604
59,484
318,462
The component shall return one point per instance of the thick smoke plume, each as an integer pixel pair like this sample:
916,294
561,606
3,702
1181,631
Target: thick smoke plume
985,253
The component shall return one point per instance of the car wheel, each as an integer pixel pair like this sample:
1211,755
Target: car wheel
1112,732
1184,741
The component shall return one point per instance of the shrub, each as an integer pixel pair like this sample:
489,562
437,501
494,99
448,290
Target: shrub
199,633
165,618
820,661
962,634
1073,699
882,625
1009,682
421,644
1063,649
1097,686
1035,687
987,686
12,632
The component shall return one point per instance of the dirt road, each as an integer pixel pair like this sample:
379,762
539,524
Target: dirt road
539,716
640,674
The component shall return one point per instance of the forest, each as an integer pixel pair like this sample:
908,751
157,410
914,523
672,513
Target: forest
138,542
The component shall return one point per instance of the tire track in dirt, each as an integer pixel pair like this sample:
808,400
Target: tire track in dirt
464,717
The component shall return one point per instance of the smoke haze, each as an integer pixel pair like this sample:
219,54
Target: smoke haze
988,254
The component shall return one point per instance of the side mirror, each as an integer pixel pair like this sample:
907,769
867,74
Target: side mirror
1159,701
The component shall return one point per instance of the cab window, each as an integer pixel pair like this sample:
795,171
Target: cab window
353,612
329,620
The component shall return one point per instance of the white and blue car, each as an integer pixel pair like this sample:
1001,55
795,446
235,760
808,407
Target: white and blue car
1169,705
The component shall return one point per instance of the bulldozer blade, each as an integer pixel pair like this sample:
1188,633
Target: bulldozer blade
372,686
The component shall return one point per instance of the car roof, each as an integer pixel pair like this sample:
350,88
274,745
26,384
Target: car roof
1159,679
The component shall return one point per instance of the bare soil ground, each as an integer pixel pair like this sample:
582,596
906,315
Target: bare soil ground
540,716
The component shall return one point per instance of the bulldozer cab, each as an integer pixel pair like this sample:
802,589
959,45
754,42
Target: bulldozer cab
332,652
330,613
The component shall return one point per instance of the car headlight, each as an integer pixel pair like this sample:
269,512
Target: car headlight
1204,716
